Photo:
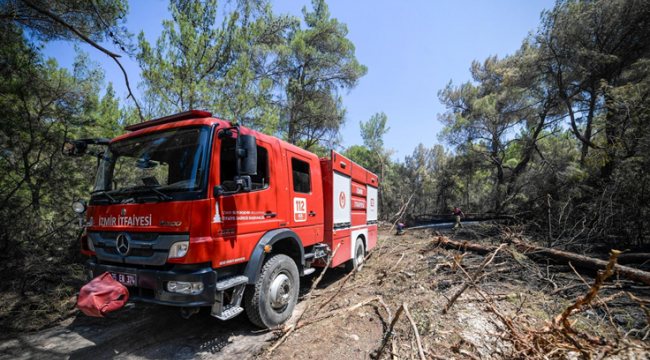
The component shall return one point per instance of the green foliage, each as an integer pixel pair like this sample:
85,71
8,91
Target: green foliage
200,62
362,156
563,123
244,63
99,20
588,65
317,61
374,130
43,104
253,67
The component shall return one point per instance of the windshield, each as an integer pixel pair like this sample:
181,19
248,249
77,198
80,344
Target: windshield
173,160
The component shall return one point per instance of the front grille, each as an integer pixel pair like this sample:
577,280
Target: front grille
134,252
146,248
139,236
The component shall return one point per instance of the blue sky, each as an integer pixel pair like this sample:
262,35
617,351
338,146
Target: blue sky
412,49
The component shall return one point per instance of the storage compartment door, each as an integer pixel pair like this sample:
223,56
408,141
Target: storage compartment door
341,201
373,204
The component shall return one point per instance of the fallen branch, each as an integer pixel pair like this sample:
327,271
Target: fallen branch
565,257
493,297
473,247
397,263
586,262
633,258
343,281
336,312
639,300
308,297
390,332
415,329
390,314
518,339
471,280
566,288
90,42
603,303
641,303
562,319
401,213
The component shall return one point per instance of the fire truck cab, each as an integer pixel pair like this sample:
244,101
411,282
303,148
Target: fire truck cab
192,211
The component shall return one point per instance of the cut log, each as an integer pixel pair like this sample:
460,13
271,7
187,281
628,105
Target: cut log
586,262
562,256
634,258
465,245
474,247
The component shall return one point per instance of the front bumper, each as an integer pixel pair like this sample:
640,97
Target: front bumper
151,284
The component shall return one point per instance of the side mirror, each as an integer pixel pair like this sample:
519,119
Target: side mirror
249,162
146,164
74,148
244,182
218,191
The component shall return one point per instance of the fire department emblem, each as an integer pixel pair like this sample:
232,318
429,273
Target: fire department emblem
372,203
123,212
342,200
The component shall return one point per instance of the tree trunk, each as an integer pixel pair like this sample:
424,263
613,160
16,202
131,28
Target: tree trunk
562,256
588,128
611,136
633,258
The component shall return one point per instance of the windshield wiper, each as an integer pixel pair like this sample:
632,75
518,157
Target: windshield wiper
103,192
162,195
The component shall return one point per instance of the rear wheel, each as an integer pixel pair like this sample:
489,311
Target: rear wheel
359,254
271,300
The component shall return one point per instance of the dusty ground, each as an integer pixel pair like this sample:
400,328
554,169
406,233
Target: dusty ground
406,269
412,269
150,332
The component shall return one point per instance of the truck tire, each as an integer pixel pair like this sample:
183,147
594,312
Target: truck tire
359,254
271,301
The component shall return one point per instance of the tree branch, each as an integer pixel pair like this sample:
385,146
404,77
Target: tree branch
85,38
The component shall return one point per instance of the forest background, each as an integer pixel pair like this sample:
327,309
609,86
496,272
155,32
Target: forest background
554,137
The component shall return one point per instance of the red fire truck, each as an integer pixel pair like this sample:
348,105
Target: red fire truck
192,211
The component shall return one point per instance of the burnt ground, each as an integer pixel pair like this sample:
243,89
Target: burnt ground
410,269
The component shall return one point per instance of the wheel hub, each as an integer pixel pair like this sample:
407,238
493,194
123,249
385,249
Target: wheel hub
280,291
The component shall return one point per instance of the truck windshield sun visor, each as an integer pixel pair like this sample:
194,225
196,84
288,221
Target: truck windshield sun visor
158,164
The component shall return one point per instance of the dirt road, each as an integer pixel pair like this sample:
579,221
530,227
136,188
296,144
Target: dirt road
144,332
411,269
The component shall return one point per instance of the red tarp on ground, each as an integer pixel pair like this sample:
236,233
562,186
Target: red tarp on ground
102,295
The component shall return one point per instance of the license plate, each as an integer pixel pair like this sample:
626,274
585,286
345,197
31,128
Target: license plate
125,279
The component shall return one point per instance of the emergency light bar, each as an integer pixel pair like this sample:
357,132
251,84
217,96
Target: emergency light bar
191,114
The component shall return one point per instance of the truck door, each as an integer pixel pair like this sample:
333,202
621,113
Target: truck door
306,203
234,216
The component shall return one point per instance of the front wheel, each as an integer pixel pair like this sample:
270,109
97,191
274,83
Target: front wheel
271,301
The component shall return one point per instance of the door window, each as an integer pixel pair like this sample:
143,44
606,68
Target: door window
228,167
301,178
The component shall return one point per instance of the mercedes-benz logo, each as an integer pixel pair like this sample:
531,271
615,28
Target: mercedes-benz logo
123,244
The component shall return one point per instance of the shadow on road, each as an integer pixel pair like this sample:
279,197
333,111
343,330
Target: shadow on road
150,332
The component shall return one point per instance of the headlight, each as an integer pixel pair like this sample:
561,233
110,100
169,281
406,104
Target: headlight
179,249
185,287
79,206
91,247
